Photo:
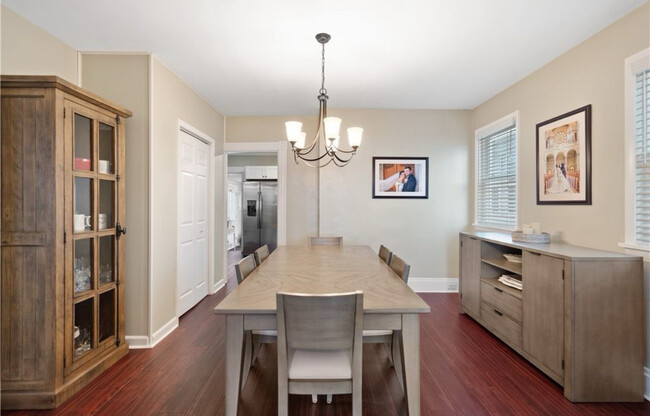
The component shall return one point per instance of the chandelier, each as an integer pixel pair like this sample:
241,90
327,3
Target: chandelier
328,130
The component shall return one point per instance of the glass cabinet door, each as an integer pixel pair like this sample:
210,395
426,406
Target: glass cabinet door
91,255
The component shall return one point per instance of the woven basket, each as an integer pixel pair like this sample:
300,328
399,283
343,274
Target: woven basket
542,238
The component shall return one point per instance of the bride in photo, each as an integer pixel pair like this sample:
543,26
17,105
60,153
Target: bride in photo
560,183
395,182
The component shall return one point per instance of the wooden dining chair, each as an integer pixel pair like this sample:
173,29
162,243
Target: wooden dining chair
261,254
385,254
400,267
244,267
386,336
317,355
325,241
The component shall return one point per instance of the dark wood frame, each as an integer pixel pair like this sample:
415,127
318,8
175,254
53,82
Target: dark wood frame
587,155
407,194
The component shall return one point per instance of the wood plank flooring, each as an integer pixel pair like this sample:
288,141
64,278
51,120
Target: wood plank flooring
464,371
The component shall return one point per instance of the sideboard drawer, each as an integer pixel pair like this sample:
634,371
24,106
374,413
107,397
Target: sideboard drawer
498,321
501,299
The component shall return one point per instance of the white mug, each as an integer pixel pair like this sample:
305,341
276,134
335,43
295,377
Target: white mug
104,166
102,221
81,222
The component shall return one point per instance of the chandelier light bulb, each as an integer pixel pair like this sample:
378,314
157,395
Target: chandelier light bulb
294,130
332,127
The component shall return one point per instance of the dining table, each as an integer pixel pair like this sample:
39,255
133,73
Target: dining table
388,304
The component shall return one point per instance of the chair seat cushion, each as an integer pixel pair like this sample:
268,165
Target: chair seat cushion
266,332
376,332
320,364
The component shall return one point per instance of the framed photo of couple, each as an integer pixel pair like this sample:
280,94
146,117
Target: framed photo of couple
564,159
400,177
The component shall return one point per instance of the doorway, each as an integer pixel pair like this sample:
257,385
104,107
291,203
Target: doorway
273,155
194,219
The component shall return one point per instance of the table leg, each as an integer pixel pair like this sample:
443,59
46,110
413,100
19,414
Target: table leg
410,354
397,357
234,349
248,354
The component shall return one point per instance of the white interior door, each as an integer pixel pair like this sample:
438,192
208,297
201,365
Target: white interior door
193,224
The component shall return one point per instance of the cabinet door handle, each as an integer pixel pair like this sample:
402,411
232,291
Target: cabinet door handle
498,290
533,253
498,313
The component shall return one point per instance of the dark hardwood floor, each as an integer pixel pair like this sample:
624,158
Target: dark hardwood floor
464,371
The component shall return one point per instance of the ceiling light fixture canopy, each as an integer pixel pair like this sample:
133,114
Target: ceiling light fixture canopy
328,130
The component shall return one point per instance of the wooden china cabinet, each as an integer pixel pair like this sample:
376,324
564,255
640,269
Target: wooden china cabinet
62,239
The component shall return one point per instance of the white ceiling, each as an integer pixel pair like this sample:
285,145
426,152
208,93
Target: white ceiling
259,57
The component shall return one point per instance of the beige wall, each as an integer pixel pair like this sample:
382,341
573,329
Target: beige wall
252,160
124,79
346,203
172,100
29,50
591,73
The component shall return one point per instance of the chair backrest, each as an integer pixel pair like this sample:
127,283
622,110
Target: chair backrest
399,267
244,267
320,322
385,254
261,254
325,241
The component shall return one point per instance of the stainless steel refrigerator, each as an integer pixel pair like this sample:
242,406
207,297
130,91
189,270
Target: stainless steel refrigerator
260,215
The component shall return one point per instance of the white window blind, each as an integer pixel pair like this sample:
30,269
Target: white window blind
642,156
496,191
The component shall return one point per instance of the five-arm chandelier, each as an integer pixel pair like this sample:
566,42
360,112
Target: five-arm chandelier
328,131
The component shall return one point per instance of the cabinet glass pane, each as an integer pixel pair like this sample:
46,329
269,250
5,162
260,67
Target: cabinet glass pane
106,315
106,259
83,326
83,265
83,142
83,204
106,204
106,149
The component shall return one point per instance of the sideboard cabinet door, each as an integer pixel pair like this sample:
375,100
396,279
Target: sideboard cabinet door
470,274
543,309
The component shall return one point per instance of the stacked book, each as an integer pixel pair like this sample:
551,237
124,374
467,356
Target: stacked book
511,281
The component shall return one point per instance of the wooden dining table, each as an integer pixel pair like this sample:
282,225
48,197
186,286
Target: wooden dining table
388,303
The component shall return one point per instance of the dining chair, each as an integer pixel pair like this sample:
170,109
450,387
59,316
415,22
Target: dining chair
385,254
386,336
244,267
261,254
320,346
400,267
325,241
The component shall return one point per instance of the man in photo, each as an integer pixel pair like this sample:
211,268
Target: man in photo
411,182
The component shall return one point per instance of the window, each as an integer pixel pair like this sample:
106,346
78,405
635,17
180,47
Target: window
637,128
496,174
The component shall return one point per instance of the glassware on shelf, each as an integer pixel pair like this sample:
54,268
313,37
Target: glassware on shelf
82,274
105,273
82,340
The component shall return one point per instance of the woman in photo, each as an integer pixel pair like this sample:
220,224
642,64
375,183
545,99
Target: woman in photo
400,181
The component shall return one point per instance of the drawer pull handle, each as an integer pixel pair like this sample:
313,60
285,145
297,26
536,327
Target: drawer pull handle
498,313
498,290
536,254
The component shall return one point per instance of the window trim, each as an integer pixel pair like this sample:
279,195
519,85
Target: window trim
633,64
480,133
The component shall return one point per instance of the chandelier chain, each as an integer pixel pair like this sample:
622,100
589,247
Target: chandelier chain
322,87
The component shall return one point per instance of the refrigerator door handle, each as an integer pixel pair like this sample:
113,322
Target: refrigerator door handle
259,214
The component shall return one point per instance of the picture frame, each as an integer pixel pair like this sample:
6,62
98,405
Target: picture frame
563,159
400,177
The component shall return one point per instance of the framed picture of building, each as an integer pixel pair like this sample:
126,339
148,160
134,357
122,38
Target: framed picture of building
400,177
564,159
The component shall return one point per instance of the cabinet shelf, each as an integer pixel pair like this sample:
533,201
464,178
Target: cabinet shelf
505,265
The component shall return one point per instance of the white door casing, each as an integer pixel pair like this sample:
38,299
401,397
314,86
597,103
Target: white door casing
193,221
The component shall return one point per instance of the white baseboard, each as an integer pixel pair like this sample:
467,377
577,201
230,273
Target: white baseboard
646,373
165,330
217,286
434,284
137,342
